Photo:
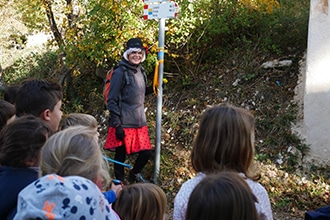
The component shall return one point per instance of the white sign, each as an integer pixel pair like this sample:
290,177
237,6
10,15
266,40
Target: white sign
152,1
162,10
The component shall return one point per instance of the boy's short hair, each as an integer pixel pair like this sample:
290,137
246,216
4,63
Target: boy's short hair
37,95
10,93
71,197
7,110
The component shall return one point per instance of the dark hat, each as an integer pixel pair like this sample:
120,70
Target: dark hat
134,43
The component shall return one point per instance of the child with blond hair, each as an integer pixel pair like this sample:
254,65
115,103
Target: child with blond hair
89,121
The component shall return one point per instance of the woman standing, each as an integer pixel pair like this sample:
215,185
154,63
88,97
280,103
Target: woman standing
128,131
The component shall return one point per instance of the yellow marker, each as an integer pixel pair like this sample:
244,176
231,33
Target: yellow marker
155,83
156,76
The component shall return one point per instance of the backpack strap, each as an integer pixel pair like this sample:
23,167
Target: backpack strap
124,82
144,74
127,82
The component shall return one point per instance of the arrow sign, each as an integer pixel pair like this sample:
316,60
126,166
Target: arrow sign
163,10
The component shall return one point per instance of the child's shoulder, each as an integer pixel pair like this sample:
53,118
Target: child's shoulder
258,190
188,186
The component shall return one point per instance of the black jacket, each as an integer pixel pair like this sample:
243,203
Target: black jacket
12,181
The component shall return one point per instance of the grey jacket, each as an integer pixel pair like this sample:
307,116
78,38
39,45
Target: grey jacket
126,99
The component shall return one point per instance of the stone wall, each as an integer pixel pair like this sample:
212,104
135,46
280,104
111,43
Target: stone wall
316,97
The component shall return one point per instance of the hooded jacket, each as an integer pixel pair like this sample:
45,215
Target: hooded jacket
126,99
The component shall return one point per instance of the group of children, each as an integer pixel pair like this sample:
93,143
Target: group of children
53,167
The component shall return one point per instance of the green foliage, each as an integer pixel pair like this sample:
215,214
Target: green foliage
98,32
35,65
33,14
103,30
282,202
204,32
95,37
82,94
20,40
105,25
207,31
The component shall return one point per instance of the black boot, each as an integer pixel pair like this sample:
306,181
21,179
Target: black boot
131,177
120,156
136,178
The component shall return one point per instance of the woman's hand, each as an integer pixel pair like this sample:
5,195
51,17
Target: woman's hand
120,134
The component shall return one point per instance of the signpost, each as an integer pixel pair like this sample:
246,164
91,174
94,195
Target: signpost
159,9
164,10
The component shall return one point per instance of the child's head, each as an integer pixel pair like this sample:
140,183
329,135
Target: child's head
7,113
74,151
141,201
225,140
10,93
21,142
40,98
224,195
73,119
56,197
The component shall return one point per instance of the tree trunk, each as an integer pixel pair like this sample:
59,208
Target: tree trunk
73,13
2,83
52,23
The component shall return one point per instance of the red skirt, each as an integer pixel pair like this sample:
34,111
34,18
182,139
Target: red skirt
136,140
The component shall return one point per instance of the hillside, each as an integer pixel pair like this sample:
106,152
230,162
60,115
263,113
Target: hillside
270,94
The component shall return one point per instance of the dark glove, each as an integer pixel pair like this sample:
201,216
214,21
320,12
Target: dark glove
120,134
149,90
